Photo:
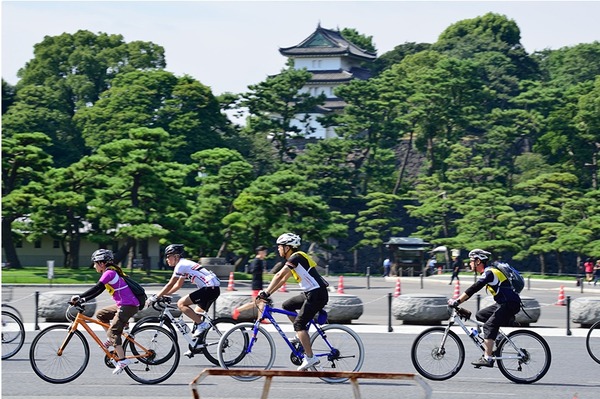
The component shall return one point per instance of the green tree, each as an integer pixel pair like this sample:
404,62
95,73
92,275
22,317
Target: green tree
223,174
377,217
24,160
67,74
275,103
280,202
540,201
140,196
156,99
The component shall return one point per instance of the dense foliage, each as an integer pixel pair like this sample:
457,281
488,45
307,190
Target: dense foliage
466,142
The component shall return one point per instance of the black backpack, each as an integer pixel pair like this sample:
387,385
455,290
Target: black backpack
138,291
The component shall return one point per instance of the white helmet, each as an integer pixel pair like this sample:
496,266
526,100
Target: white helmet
291,239
479,254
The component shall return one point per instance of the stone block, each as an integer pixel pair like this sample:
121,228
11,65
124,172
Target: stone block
53,305
228,301
420,308
531,305
343,308
585,310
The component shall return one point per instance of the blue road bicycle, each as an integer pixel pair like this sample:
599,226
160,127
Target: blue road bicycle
251,346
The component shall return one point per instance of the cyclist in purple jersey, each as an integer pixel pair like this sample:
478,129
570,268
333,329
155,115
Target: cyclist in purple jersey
207,282
126,304
313,298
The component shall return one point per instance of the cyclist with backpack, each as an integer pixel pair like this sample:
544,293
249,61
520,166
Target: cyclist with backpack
207,282
502,313
117,315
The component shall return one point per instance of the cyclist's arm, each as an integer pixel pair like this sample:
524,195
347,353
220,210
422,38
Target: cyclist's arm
469,292
174,284
280,277
93,292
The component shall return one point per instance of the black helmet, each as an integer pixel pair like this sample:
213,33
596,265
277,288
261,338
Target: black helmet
103,255
174,249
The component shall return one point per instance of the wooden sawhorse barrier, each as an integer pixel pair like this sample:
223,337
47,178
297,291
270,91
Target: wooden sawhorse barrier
269,374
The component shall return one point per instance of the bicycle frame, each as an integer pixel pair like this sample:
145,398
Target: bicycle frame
478,340
165,309
83,321
267,313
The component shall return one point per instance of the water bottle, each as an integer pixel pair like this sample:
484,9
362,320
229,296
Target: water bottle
183,326
474,332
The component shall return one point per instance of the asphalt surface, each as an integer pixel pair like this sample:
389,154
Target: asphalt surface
573,373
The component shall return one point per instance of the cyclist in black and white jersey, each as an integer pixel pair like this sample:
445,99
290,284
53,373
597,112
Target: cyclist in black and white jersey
313,298
207,282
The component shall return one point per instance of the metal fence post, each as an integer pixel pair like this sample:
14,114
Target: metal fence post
35,317
390,329
368,277
569,315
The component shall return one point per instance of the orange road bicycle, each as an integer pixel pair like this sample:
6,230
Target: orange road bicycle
60,353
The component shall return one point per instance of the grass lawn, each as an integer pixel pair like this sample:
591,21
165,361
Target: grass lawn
84,275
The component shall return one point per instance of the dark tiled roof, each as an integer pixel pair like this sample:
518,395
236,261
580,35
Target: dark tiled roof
326,42
339,75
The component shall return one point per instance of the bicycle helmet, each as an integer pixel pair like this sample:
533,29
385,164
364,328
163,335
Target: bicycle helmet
291,239
479,254
174,249
103,255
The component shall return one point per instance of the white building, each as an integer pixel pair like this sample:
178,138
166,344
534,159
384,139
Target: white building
333,61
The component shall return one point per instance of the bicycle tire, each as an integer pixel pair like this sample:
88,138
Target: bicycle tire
13,310
51,367
592,341
432,363
239,350
162,364
13,334
536,362
211,336
158,321
341,350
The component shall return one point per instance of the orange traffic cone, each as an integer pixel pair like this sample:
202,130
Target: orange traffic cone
397,292
283,288
341,285
456,290
230,286
561,297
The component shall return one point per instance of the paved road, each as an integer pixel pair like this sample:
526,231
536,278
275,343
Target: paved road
572,372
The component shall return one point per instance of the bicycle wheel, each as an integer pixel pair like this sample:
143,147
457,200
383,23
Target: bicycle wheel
434,361
340,349
530,368
239,349
210,338
155,321
57,368
164,358
592,341
13,310
13,334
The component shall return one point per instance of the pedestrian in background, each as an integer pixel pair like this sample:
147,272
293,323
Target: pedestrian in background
387,266
456,265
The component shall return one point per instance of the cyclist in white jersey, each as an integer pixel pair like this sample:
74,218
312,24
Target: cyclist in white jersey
207,282
313,298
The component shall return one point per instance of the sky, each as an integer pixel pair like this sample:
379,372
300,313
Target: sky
228,45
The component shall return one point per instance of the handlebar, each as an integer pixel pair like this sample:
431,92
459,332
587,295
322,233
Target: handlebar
79,306
162,303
